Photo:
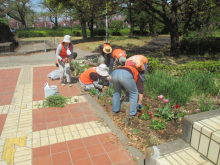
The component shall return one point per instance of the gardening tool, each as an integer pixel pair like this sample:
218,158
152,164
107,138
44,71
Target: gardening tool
105,99
127,112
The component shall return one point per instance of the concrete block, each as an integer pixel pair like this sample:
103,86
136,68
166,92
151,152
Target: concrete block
186,157
171,160
213,151
212,124
216,120
189,120
162,161
178,159
206,131
216,136
195,139
204,145
198,126
196,155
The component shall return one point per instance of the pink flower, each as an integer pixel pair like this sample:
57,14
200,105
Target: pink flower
198,110
165,101
176,106
160,97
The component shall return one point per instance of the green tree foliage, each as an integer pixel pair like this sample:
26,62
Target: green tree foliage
116,25
186,12
16,9
88,10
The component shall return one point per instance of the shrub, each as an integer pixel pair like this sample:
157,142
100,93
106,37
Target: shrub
116,25
202,82
201,46
180,90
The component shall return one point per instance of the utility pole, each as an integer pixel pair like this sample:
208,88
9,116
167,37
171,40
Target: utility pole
106,25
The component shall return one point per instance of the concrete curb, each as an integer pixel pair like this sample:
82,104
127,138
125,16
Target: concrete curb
24,53
190,119
153,153
114,128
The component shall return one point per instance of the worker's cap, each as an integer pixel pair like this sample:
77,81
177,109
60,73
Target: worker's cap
107,49
67,38
102,70
122,60
130,63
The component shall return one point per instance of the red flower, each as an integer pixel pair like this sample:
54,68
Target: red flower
177,106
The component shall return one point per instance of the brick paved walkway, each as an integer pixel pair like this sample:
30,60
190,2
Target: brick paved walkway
69,135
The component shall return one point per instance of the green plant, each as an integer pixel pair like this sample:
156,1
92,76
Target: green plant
110,91
93,91
77,69
101,98
181,114
146,114
206,105
156,124
164,113
56,101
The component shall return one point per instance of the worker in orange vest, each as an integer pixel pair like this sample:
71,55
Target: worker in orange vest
140,63
104,56
127,77
74,57
118,57
92,76
64,55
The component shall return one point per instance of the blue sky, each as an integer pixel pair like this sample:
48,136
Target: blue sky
36,6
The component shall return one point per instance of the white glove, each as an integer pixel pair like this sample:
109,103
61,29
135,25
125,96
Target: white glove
68,52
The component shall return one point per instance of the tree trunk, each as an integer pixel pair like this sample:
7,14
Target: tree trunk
91,27
23,23
55,23
83,25
174,33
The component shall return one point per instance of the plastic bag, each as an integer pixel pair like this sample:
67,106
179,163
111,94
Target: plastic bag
55,75
50,90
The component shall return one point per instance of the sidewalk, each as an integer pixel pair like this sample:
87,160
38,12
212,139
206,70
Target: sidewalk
80,133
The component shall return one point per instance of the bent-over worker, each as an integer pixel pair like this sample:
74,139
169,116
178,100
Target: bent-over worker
118,57
128,78
92,76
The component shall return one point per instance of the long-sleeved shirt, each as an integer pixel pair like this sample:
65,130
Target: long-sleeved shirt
59,49
96,80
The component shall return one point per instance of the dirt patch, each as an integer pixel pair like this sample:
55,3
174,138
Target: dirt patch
140,132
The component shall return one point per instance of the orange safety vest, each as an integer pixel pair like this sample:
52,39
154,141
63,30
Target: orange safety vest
63,52
134,71
139,61
118,53
85,76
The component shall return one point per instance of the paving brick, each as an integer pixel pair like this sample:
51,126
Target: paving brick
204,145
216,136
195,139
213,152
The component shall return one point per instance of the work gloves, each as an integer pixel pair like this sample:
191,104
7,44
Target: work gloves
139,106
66,60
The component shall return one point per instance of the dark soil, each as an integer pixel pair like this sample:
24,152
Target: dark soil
139,131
